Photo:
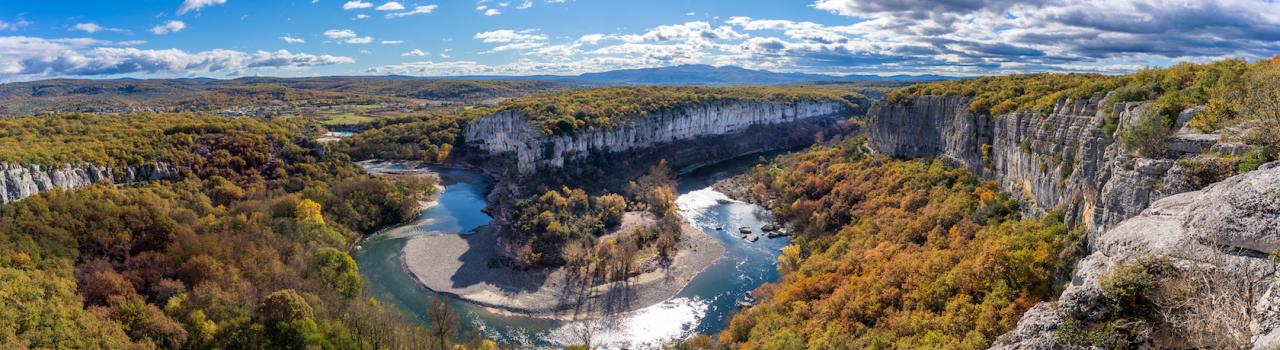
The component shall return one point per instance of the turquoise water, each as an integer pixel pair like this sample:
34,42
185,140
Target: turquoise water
703,306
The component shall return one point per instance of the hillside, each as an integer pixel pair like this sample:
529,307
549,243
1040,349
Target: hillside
244,247
278,95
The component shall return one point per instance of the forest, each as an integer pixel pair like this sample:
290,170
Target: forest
211,95
570,228
895,254
247,250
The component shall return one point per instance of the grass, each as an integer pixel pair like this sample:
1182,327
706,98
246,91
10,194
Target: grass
347,118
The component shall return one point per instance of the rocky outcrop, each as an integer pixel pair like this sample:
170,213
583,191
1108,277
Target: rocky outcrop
510,132
1060,160
1222,235
22,181
1134,208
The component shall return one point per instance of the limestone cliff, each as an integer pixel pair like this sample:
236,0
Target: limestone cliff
1062,160
510,132
22,181
1218,238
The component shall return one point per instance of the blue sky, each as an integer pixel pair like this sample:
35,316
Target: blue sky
226,38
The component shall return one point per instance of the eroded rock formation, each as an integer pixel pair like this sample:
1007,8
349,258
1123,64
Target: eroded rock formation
22,181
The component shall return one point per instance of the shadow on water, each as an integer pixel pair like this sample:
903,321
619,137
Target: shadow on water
703,306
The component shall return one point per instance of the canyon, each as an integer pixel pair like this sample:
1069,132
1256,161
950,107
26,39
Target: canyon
1132,208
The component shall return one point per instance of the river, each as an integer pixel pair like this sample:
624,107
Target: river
703,306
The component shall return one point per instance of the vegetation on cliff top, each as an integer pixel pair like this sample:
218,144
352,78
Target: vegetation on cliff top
1224,86
589,109
246,250
125,140
895,254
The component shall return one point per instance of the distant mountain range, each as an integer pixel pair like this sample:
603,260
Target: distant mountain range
130,94
701,74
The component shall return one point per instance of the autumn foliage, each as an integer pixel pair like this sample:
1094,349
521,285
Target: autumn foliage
896,254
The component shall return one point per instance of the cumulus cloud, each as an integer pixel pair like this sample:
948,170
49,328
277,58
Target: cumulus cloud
392,42
168,27
415,53
492,12
1060,33
34,58
292,40
356,4
417,10
691,31
196,5
390,6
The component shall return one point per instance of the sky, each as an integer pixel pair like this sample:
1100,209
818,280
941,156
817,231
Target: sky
231,38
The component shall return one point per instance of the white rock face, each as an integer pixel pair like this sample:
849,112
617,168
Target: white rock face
1133,207
511,132
1228,227
1060,160
18,181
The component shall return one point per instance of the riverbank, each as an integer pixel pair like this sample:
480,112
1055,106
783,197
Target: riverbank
463,267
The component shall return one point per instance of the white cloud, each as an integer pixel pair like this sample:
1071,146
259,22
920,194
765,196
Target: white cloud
90,27
516,47
392,42
525,5
356,4
691,31
492,12
415,53
169,27
363,16
292,40
508,36
591,38
416,11
390,6
347,36
28,58
196,5
340,33
19,24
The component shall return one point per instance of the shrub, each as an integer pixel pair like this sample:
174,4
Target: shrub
1255,158
1201,172
1147,136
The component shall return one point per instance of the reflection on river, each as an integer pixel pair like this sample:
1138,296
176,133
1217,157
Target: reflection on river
704,306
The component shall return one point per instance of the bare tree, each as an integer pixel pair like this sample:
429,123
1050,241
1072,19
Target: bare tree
443,321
